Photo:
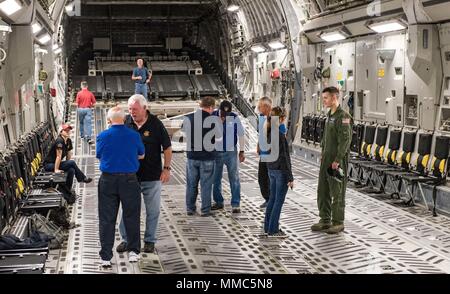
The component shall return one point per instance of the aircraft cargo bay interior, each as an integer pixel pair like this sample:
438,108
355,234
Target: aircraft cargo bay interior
224,137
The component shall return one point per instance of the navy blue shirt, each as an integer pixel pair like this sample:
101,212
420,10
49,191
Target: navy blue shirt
141,72
118,149
232,128
196,149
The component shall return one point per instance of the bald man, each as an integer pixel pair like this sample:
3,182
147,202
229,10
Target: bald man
141,76
119,184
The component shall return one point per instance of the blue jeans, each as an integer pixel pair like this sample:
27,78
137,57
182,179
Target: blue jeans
203,172
70,168
278,191
230,159
114,190
141,89
151,192
85,118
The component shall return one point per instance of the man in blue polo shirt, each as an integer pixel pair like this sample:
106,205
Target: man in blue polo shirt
141,77
264,108
118,184
227,154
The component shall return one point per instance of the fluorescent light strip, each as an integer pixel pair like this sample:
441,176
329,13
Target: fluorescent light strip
258,49
276,45
233,8
10,7
69,7
57,51
334,36
5,28
44,39
385,27
36,27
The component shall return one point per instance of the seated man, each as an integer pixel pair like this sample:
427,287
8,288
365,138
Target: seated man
62,148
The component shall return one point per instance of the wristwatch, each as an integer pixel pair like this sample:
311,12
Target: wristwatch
168,168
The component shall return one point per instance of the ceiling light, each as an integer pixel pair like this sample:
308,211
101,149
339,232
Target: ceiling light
69,7
233,8
55,46
333,36
40,50
275,45
36,27
57,51
258,49
387,26
44,39
4,27
10,6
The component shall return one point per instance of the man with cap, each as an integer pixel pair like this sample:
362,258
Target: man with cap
227,154
60,150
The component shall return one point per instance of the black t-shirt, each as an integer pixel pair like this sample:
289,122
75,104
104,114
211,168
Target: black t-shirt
59,144
155,138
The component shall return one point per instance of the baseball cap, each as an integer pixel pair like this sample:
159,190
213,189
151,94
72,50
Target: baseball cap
65,127
226,106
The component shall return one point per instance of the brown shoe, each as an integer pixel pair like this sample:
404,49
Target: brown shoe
335,229
320,227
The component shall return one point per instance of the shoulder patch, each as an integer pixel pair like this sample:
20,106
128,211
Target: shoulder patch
346,121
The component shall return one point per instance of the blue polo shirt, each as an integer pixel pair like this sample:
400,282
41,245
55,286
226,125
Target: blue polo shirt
262,137
141,72
118,149
232,129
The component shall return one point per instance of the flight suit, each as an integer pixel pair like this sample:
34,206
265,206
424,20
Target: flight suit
335,145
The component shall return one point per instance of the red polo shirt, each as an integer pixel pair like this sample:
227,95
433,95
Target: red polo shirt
85,99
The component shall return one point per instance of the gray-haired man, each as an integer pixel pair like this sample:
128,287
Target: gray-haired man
118,184
151,174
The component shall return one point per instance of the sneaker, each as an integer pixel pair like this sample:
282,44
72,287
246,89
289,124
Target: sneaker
264,205
335,229
106,264
191,213
208,214
279,234
133,257
217,207
122,247
87,180
149,247
90,142
321,226
236,210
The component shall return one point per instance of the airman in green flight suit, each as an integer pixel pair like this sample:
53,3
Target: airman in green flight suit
335,145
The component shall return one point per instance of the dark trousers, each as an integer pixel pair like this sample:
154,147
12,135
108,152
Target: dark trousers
263,180
71,169
114,190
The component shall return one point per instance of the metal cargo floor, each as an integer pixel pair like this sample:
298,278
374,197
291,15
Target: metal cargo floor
379,237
